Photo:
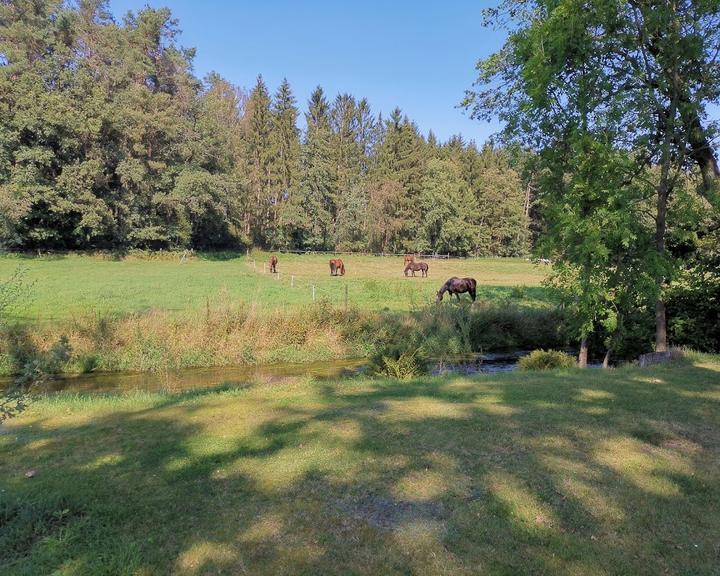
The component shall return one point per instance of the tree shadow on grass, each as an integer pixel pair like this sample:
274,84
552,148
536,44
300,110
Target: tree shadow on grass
582,473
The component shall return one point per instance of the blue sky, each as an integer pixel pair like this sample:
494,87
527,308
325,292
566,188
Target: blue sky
419,56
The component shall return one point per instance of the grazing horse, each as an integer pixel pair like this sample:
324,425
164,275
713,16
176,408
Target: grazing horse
458,286
273,264
415,266
337,267
409,259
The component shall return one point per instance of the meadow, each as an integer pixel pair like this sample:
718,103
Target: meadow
567,473
64,286
159,312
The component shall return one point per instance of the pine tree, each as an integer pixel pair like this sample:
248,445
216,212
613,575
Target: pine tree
449,210
312,213
400,157
285,141
257,134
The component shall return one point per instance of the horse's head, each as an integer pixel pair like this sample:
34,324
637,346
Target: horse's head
440,294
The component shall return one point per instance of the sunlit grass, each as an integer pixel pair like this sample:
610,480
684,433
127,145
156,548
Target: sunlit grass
72,285
570,472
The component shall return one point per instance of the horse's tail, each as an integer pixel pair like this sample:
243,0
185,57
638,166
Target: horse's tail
342,268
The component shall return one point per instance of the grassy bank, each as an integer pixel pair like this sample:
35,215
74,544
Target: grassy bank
596,472
236,335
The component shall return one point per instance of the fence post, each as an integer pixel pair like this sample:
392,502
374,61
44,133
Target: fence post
313,292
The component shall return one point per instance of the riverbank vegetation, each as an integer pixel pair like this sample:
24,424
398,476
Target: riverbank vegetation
569,472
236,335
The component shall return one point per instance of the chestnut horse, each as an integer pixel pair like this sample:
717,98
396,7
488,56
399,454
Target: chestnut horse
273,264
409,259
337,267
415,266
458,286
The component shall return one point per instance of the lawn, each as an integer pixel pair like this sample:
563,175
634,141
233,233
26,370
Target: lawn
65,286
596,472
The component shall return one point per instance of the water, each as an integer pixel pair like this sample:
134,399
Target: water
480,363
195,378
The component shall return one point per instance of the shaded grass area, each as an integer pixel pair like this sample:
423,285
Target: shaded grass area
69,286
571,472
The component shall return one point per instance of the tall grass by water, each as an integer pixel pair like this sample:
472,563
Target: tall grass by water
242,334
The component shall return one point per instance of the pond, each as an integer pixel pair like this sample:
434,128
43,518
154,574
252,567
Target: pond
194,378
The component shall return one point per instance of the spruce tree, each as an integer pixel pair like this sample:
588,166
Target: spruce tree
313,210
285,150
257,134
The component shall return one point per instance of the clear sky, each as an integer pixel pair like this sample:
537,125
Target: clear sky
419,56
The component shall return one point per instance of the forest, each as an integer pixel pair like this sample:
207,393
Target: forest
108,140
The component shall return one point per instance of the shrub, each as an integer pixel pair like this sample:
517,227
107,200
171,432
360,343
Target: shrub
406,366
546,360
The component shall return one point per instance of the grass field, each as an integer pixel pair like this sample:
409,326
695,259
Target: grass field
564,473
66,286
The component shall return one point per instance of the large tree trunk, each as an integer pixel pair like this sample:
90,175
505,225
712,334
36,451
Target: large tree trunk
583,356
660,229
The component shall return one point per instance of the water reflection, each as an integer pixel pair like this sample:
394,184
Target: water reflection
194,378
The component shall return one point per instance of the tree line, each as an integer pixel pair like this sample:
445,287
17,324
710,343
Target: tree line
108,140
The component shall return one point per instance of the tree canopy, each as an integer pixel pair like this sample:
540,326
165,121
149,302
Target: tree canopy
108,140
613,97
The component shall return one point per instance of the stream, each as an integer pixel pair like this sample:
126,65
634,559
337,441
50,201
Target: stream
196,378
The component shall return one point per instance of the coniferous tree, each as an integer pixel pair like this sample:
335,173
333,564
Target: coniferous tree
257,136
401,157
313,210
449,211
286,166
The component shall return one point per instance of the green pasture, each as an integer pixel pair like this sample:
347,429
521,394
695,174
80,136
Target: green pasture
565,473
64,286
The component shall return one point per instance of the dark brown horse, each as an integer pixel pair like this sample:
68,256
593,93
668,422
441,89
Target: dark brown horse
337,267
415,266
273,264
458,286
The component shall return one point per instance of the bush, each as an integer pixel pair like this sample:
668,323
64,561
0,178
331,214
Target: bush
546,360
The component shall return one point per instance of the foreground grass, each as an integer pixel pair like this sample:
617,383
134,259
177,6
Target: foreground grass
597,472
68,286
